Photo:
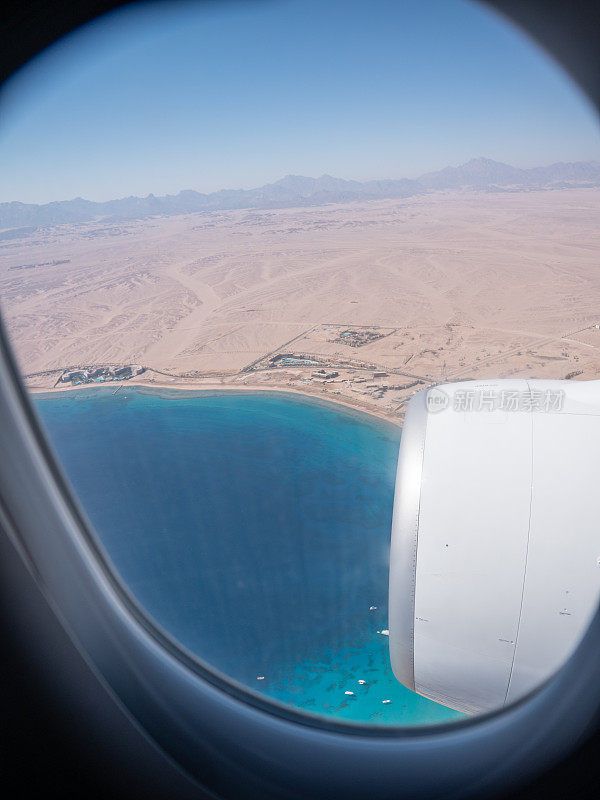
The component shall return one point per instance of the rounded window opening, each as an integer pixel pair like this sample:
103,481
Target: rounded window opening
222,350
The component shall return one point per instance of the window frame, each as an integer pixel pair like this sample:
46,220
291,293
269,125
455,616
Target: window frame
232,742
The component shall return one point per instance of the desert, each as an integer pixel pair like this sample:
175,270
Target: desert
363,302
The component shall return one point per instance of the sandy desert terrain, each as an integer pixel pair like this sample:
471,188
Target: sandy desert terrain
362,302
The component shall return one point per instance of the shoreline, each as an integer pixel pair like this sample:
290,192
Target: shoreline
218,387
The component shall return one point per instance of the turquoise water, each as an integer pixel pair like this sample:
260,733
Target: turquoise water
255,529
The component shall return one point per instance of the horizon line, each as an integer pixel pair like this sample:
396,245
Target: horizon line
299,176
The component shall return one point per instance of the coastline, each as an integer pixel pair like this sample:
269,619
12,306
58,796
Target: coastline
219,387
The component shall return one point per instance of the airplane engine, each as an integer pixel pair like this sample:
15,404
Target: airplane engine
495,557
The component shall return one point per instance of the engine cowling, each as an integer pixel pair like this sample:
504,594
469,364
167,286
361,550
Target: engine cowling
495,557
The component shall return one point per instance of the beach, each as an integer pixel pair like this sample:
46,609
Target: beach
218,388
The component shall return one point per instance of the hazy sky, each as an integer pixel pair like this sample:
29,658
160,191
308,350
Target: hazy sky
192,95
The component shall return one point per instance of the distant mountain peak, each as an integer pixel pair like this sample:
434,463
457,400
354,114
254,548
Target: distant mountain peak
290,177
483,160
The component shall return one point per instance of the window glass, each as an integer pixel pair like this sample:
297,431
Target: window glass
222,350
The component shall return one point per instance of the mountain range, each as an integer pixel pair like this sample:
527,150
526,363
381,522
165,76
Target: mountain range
482,174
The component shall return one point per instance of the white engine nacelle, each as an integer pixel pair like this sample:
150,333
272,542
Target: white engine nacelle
495,559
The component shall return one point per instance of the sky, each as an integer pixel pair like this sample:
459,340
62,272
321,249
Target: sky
166,96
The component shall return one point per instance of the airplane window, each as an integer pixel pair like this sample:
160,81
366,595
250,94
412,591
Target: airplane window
253,257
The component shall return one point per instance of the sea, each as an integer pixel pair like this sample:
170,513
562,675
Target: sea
254,528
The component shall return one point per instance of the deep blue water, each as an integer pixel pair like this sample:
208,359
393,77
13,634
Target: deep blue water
255,529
